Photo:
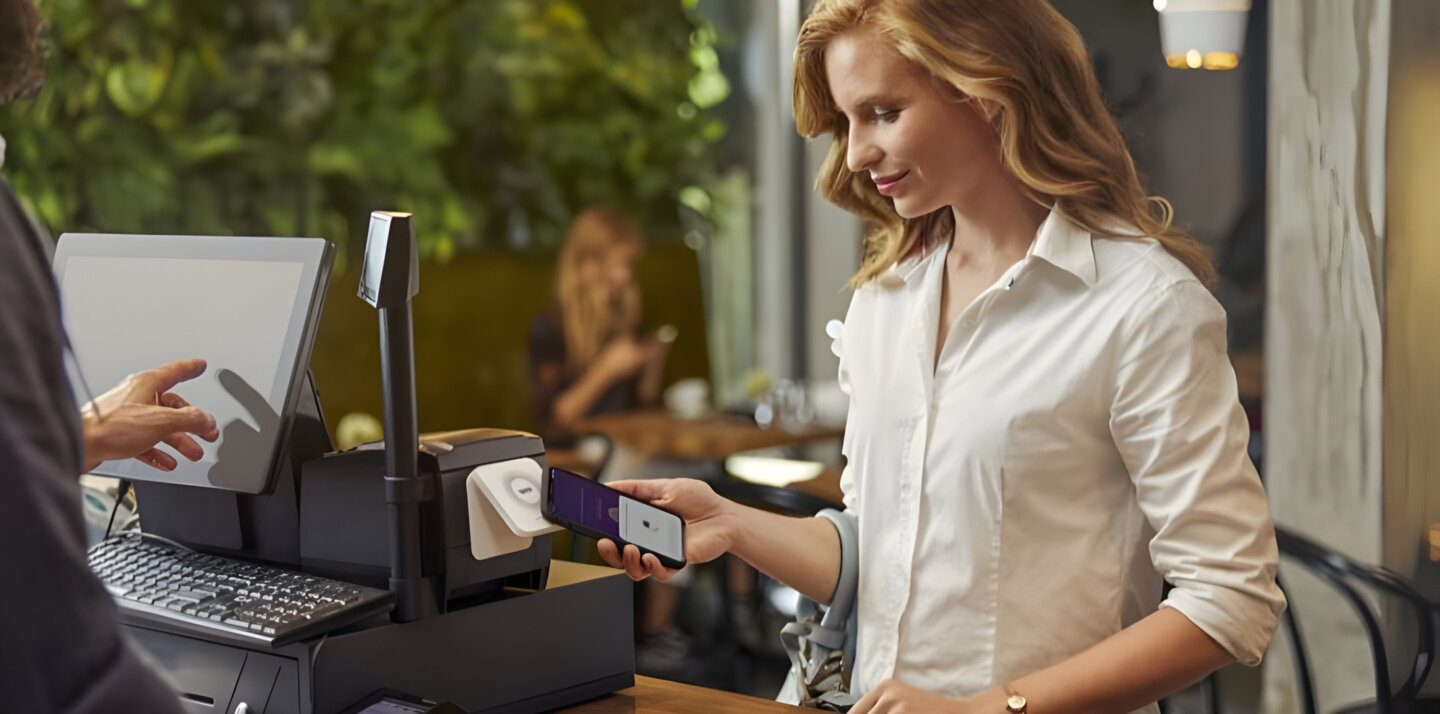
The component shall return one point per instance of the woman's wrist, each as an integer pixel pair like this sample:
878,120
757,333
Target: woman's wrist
732,519
990,701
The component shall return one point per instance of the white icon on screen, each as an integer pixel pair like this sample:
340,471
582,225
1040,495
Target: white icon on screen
650,528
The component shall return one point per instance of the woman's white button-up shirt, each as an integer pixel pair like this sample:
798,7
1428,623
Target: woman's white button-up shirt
1079,441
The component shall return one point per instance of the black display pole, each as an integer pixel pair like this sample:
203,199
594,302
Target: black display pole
389,278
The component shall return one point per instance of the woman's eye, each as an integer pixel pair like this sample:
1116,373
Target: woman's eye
887,116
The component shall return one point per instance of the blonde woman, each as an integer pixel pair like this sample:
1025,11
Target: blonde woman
585,357
1043,424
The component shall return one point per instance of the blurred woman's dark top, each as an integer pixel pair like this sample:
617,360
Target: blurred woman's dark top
550,375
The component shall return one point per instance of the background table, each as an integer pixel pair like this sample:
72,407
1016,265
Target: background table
715,436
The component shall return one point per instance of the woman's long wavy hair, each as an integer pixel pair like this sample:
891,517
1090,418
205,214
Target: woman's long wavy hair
1056,134
589,314
22,63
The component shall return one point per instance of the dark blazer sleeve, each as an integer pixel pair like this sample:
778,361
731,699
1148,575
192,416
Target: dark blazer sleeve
62,646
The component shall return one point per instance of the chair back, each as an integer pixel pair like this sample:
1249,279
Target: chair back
1343,575
778,499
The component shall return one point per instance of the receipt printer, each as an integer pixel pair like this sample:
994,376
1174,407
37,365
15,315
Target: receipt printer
480,522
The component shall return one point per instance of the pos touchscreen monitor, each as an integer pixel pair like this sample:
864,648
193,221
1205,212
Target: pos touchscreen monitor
248,306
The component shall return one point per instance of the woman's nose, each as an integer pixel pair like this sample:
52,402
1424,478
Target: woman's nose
861,154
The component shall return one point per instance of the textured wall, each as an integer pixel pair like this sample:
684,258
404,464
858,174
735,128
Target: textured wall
1326,241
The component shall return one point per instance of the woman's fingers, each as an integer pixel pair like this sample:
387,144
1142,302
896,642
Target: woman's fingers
654,568
634,564
627,559
609,553
638,566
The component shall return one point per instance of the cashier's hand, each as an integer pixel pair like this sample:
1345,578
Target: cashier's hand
893,697
707,530
140,412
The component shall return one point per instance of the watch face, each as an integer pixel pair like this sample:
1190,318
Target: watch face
1015,703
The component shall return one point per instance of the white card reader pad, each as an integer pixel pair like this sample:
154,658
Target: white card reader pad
504,507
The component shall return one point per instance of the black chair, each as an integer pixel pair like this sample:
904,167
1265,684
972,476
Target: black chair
787,501
1344,574
755,665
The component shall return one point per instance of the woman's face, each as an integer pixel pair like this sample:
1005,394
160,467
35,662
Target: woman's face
616,270
922,145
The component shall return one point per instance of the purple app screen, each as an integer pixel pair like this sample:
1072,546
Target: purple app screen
583,501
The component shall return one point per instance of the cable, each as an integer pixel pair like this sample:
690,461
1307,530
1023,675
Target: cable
75,360
119,498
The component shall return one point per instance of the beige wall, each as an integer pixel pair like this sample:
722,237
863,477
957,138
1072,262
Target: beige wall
1412,289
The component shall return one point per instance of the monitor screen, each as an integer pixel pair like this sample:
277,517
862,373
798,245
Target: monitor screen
247,306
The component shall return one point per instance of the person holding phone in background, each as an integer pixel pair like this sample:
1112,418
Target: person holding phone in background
585,356
1043,423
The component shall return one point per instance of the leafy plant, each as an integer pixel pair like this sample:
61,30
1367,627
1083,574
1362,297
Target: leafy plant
493,121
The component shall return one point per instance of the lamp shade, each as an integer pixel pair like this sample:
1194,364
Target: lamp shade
1202,34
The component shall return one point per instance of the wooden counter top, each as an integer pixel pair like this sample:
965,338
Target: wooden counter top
658,696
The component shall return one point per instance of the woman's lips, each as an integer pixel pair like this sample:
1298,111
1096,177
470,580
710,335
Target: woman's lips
886,184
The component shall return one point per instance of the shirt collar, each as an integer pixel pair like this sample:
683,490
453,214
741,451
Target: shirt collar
899,274
1059,241
1065,245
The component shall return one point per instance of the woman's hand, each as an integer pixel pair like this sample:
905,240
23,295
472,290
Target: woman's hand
140,412
625,355
893,697
652,374
708,525
619,359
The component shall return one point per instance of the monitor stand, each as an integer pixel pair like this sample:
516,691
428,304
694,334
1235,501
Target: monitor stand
263,527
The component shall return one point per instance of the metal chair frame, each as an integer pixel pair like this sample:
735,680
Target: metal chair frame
1339,571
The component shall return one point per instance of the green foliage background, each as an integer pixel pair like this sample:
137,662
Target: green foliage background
492,120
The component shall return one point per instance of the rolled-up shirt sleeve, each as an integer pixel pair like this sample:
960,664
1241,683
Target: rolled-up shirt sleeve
1177,422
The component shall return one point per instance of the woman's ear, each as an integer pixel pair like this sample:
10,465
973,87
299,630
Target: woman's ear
988,108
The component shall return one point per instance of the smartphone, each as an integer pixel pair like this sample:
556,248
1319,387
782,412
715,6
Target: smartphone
598,511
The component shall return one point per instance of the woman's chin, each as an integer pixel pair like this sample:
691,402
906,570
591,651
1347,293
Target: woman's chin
912,209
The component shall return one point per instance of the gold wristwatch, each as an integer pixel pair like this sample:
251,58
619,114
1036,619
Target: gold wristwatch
1014,701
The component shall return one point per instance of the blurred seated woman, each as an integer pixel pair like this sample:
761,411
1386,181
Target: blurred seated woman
585,357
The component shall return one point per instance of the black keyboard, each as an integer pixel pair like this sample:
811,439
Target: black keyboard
160,583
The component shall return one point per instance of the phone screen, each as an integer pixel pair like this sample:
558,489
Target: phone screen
579,500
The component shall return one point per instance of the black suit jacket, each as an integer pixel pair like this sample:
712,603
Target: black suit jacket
61,648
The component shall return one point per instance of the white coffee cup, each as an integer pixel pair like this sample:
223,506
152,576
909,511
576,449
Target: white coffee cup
688,398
